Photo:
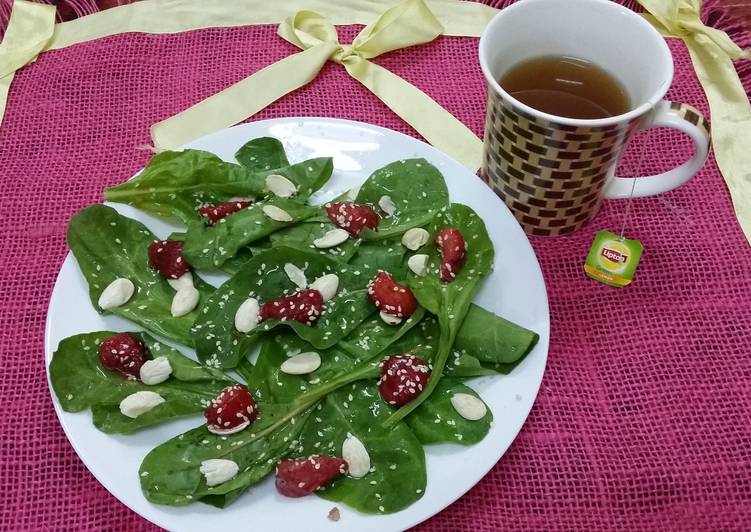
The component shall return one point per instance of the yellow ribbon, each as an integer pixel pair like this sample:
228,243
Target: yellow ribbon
29,29
407,24
712,54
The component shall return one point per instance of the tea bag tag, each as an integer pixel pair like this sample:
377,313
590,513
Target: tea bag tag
612,259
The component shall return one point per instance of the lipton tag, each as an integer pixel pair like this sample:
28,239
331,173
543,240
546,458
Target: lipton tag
613,259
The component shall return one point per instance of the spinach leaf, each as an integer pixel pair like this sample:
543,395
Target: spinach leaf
502,344
175,184
219,344
415,186
388,255
233,264
373,336
302,235
262,153
450,301
81,382
108,246
492,339
209,246
397,477
436,420
170,474
274,385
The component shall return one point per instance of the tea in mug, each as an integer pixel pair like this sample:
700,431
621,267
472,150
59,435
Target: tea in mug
567,87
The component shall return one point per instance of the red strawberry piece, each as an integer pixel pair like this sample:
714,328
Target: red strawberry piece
304,306
123,354
391,297
166,257
403,378
298,477
231,411
215,212
352,217
453,252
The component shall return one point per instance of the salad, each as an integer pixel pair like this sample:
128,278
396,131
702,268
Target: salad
339,345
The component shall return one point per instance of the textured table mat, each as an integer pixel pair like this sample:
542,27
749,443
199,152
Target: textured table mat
642,421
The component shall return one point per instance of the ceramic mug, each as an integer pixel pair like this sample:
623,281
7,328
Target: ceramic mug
553,172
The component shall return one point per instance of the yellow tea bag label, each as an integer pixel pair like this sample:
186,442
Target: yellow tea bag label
613,259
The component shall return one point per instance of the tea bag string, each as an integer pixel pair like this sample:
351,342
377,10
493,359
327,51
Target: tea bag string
637,174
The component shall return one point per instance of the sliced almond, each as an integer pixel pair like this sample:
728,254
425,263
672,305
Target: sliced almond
415,238
331,239
390,319
387,205
139,403
155,371
276,214
301,364
356,456
296,275
218,470
280,186
468,406
418,263
184,301
247,315
116,294
184,281
327,285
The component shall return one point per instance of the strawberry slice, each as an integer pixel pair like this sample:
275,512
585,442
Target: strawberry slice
391,297
352,217
215,212
166,257
231,411
123,354
453,250
298,477
402,378
304,306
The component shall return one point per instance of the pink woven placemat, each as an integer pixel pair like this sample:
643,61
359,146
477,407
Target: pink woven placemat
643,418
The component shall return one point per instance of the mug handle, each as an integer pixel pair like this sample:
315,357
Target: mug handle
676,116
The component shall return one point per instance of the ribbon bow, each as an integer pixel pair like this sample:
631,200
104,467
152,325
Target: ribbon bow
681,19
712,54
406,24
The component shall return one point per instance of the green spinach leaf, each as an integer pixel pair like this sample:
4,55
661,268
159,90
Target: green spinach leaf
274,385
417,189
170,474
210,246
176,184
262,153
373,336
108,246
436,420
450,301
388,255
81,382
302,235
219,344
397,477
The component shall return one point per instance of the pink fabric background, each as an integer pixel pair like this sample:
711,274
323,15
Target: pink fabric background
642,421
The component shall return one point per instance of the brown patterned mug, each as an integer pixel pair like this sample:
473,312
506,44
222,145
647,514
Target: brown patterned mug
553,172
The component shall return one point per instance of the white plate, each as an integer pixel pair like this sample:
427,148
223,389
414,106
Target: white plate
515,290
